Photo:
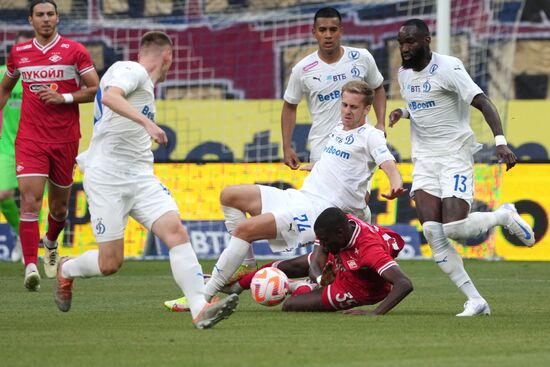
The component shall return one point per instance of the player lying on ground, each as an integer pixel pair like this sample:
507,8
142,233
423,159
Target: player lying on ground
340,179
360,269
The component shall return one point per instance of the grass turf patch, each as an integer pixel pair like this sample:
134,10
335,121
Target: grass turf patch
120,321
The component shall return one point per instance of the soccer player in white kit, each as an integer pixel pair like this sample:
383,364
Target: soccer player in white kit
439,92
340,178
119,182
319,78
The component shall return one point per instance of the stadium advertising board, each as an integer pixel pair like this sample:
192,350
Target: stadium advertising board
196,189
250,130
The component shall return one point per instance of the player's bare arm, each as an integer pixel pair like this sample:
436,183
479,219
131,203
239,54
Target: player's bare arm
379,105
318,261
490,113
288,122
401,287
396,181
114,98
84,95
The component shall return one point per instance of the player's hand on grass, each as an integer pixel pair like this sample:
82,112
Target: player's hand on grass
49,96
394,193
158,135
328,275
505,155
359,312
307,167
395,116
291,158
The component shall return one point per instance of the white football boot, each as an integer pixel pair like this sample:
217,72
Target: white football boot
517,225
475,307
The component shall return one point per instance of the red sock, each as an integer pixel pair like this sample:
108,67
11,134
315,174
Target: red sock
30,237
54,228
247,279
306,288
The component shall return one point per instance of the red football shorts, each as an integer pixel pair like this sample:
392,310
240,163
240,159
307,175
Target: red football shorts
56,161
348,291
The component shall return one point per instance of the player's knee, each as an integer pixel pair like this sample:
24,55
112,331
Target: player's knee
229,196
110,266
454,230
30,203
244,231
433,231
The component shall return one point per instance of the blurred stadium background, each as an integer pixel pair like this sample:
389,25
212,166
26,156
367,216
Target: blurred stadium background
221,103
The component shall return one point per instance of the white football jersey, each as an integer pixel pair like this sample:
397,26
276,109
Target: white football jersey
347,164
438,100
321,85
116,140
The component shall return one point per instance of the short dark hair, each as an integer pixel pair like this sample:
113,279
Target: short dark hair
36,2
360,87
327,12
419,24
155,38
330,218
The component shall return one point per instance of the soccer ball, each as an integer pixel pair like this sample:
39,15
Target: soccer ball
269,286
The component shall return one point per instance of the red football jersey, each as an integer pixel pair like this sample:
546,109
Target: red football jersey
371,250
59,66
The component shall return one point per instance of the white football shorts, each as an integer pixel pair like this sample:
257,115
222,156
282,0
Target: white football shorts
445,176
115,195
295,213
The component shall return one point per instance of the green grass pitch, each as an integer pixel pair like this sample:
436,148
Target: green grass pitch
120,321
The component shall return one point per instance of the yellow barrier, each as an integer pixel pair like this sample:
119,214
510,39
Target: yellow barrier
196,189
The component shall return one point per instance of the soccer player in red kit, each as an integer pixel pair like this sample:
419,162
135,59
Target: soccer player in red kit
364,270
57,74
354,264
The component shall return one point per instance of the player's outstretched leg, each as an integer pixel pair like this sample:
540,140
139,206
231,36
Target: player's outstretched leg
478,223
517,226
63,291
214,312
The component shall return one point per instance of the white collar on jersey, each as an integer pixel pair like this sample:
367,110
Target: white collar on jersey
355,234
47,47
